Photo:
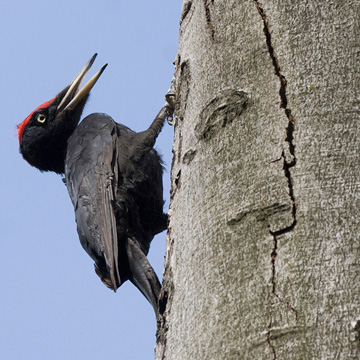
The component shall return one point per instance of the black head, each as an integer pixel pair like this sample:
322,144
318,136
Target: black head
44,133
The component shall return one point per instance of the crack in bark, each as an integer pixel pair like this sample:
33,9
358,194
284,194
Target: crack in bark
291,120
287,165
208,18
186,10
272,347
164,304
273,259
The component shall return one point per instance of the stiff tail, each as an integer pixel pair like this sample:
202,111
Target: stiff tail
142,274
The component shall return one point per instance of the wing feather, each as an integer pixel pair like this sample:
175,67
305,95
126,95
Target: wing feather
92,183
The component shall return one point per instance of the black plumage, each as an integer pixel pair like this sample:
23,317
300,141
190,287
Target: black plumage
114,179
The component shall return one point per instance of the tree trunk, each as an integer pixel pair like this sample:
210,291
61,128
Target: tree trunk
263,250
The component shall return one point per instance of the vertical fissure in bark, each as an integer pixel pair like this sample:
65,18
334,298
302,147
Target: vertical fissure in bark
208,18
186,10
166,293
287,165
268,337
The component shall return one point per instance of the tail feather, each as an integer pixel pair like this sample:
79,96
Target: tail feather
142,274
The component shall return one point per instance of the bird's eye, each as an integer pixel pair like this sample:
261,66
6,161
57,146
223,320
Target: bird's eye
41,118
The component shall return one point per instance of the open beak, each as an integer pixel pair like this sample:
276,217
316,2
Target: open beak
73,96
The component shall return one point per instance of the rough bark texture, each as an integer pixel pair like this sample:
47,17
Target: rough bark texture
263,258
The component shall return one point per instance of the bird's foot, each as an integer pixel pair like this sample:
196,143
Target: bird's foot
170,98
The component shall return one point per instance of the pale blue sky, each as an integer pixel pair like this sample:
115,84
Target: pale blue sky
52,304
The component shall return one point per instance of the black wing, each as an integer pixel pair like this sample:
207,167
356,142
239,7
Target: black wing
114,181
91,182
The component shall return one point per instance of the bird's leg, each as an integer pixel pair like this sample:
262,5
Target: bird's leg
145,140
156,126
142,274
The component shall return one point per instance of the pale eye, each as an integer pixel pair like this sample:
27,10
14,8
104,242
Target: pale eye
41,118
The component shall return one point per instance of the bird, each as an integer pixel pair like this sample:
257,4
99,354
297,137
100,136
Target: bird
113,176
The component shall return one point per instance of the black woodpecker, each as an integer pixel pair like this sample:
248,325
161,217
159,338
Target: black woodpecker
113,176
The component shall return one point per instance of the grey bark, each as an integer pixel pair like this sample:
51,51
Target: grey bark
263,249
